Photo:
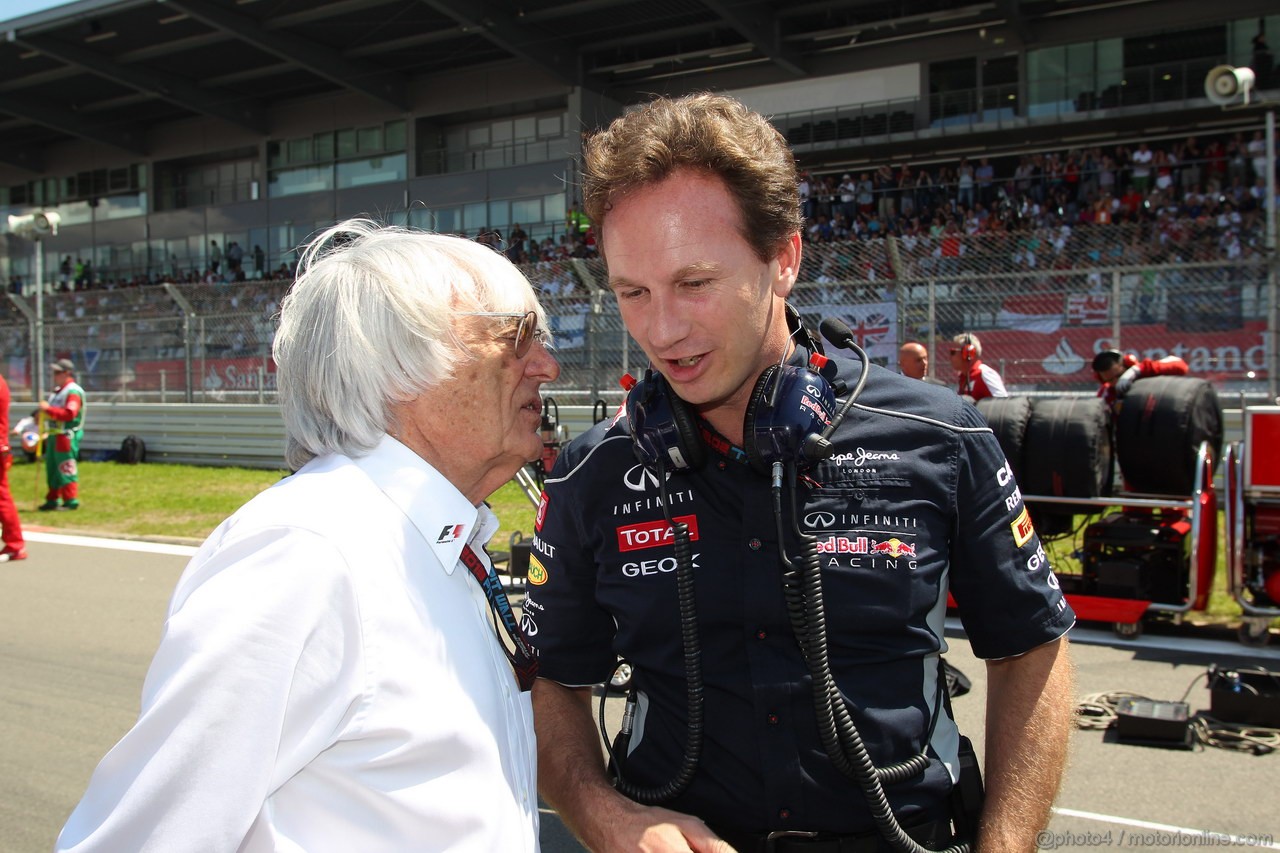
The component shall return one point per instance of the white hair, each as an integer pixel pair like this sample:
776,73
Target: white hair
370,321
969,339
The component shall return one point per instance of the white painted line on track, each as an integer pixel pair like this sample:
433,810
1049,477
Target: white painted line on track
113,544
1222,837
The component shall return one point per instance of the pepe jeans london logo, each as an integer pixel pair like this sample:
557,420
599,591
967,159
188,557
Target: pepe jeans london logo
861,457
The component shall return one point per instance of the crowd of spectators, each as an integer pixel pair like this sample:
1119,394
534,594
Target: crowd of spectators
1150,202
1168,189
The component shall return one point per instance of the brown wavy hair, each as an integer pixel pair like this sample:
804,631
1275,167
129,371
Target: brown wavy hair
708,133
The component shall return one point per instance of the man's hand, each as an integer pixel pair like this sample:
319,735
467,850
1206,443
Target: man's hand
571,778
1126,380
655,830
44,406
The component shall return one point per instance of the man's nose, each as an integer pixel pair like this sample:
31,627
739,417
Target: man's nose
542,364
667,323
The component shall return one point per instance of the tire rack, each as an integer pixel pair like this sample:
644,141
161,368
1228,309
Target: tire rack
1126,614
1245,493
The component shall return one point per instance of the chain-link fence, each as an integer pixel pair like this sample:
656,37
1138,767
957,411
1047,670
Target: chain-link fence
1041,301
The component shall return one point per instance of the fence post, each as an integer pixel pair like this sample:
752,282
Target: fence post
124,360
1273,304
187,313
1115,309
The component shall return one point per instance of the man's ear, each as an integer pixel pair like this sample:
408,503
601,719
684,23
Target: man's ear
788,260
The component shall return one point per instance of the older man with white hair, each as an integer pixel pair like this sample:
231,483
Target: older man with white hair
329,677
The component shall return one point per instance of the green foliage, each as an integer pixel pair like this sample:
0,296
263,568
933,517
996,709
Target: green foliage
155,500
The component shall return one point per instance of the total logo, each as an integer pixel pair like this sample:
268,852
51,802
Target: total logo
653,534
893,547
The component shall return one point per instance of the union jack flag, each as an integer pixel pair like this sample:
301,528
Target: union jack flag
870,329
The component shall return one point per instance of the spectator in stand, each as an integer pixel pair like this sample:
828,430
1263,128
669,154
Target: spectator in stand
215,256
806,191
516,239
964,184
848,191
866,197
886,190
976,380
259,261
1262,62
1118,371
1257,149
1140,163
235,257
985,175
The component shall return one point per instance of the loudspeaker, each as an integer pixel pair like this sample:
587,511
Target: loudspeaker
1226,83
34,224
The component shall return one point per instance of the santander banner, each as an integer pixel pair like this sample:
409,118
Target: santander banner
209,374
1063,354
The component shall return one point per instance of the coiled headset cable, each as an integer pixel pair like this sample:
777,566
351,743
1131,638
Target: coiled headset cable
694,688
802,588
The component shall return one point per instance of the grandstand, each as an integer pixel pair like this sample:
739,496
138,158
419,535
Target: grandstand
1047,174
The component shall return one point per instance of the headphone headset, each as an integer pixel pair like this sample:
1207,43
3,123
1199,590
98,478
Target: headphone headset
787,411
968,352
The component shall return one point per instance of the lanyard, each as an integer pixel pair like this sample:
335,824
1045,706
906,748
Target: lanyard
524,660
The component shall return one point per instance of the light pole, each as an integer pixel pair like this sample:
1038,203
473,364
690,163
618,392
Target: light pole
1230,87
33,226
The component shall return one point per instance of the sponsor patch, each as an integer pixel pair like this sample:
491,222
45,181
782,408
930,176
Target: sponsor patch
450,533
893,547
1022,528
653,534
542,513
537,571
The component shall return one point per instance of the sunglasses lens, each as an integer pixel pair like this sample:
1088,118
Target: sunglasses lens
524,334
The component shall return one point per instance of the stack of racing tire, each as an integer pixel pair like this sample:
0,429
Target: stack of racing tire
1068,446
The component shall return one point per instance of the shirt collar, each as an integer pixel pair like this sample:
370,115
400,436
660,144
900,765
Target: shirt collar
442,514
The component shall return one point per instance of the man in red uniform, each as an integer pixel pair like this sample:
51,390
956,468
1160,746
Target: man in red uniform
977,380
10,526
1117,371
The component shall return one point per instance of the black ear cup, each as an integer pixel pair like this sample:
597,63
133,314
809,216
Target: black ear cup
663,431
754,405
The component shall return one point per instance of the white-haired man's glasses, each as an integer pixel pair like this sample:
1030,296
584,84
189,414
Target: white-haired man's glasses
527,330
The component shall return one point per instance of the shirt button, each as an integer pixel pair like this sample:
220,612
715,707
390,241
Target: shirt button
785,814
761,634
722,465
773,719
754,544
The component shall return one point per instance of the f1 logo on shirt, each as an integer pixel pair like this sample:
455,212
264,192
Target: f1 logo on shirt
450,533
652,534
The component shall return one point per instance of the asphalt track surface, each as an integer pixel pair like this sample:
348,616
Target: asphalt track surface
80,620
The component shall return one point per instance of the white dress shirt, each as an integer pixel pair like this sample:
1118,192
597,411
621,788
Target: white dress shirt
329,679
